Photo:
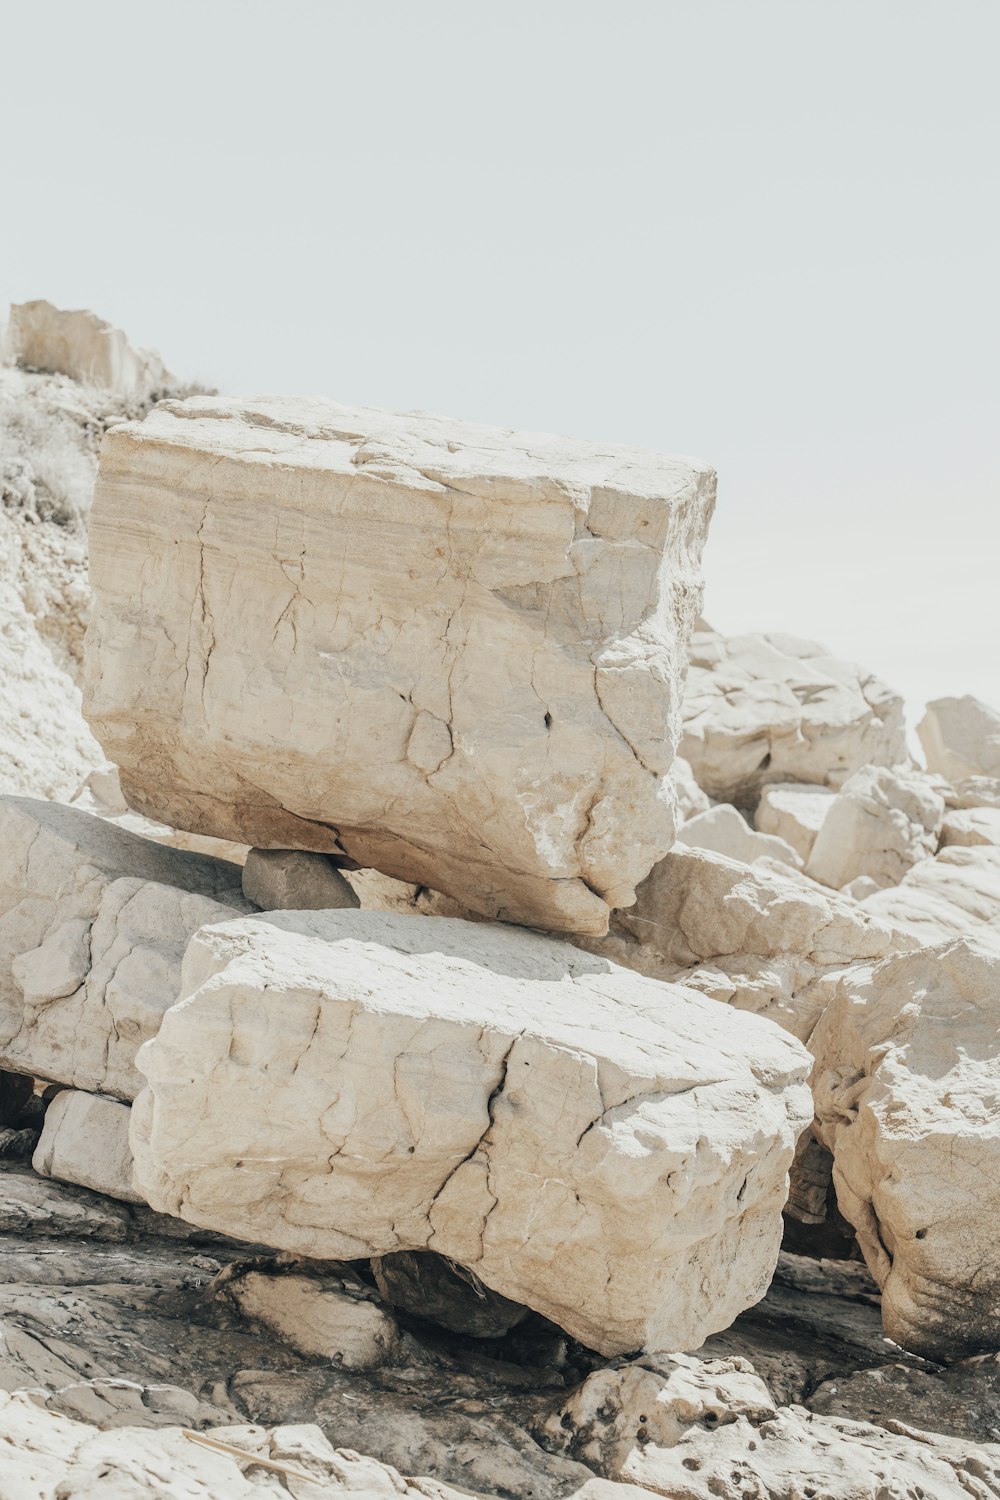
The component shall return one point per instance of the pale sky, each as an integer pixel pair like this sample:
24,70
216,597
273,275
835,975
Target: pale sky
766,232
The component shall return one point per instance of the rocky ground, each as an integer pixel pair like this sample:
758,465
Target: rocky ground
389,1138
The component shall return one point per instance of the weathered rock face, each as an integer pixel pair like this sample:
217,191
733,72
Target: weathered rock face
906,1084
93,925
85,1141
463,662
749,936
86,348
882,823
709,1430
956,892
961,738
725,831
794,812
763,708
691,800
608,1151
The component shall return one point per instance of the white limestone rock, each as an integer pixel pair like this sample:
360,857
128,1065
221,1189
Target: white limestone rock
957,892
49,1456
961,738
93,925
969,827
973,791
763,708
101,793
757,938
336,1318
692,1429
294,880
691,800
606,1150
882,823
84,1140
79,344
906,1087
464,658
793,811
723,830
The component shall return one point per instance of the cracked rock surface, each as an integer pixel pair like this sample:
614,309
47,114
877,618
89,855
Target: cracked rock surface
760,938
463,664
763,708
93,925
906,1092
608,1151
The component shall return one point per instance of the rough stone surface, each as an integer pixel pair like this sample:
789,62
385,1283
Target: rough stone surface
85,1141
462,666
499,1097
725,831
971,826
750,936
906,1088
793,812
973,791
334,1318
293,880
693,1430
690,797
882,823
956,892
50,1456
961,738
101,794
86,348
434,1289
93,925
763,708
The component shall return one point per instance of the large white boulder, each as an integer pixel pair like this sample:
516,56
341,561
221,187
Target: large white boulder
970,827
961,738
763,708
882,823
907,1083
609,1151
93,925
793,811
80,344
464,659
956,892
756,937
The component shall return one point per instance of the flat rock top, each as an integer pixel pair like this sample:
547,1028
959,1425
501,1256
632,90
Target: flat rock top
496,978
416,449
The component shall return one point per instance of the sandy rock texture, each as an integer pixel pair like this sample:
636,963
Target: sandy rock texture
608,1151
906,1089
85,1141
961,738
882,823
763,708
93,925
956,892
92,352
757,937
971,826
463,665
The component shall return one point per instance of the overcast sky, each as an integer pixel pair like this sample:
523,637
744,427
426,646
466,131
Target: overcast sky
761,231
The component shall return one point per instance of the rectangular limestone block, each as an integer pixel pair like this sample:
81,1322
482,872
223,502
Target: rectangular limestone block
605,1149
448,652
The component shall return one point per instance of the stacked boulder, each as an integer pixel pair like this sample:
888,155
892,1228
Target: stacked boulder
500,1014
